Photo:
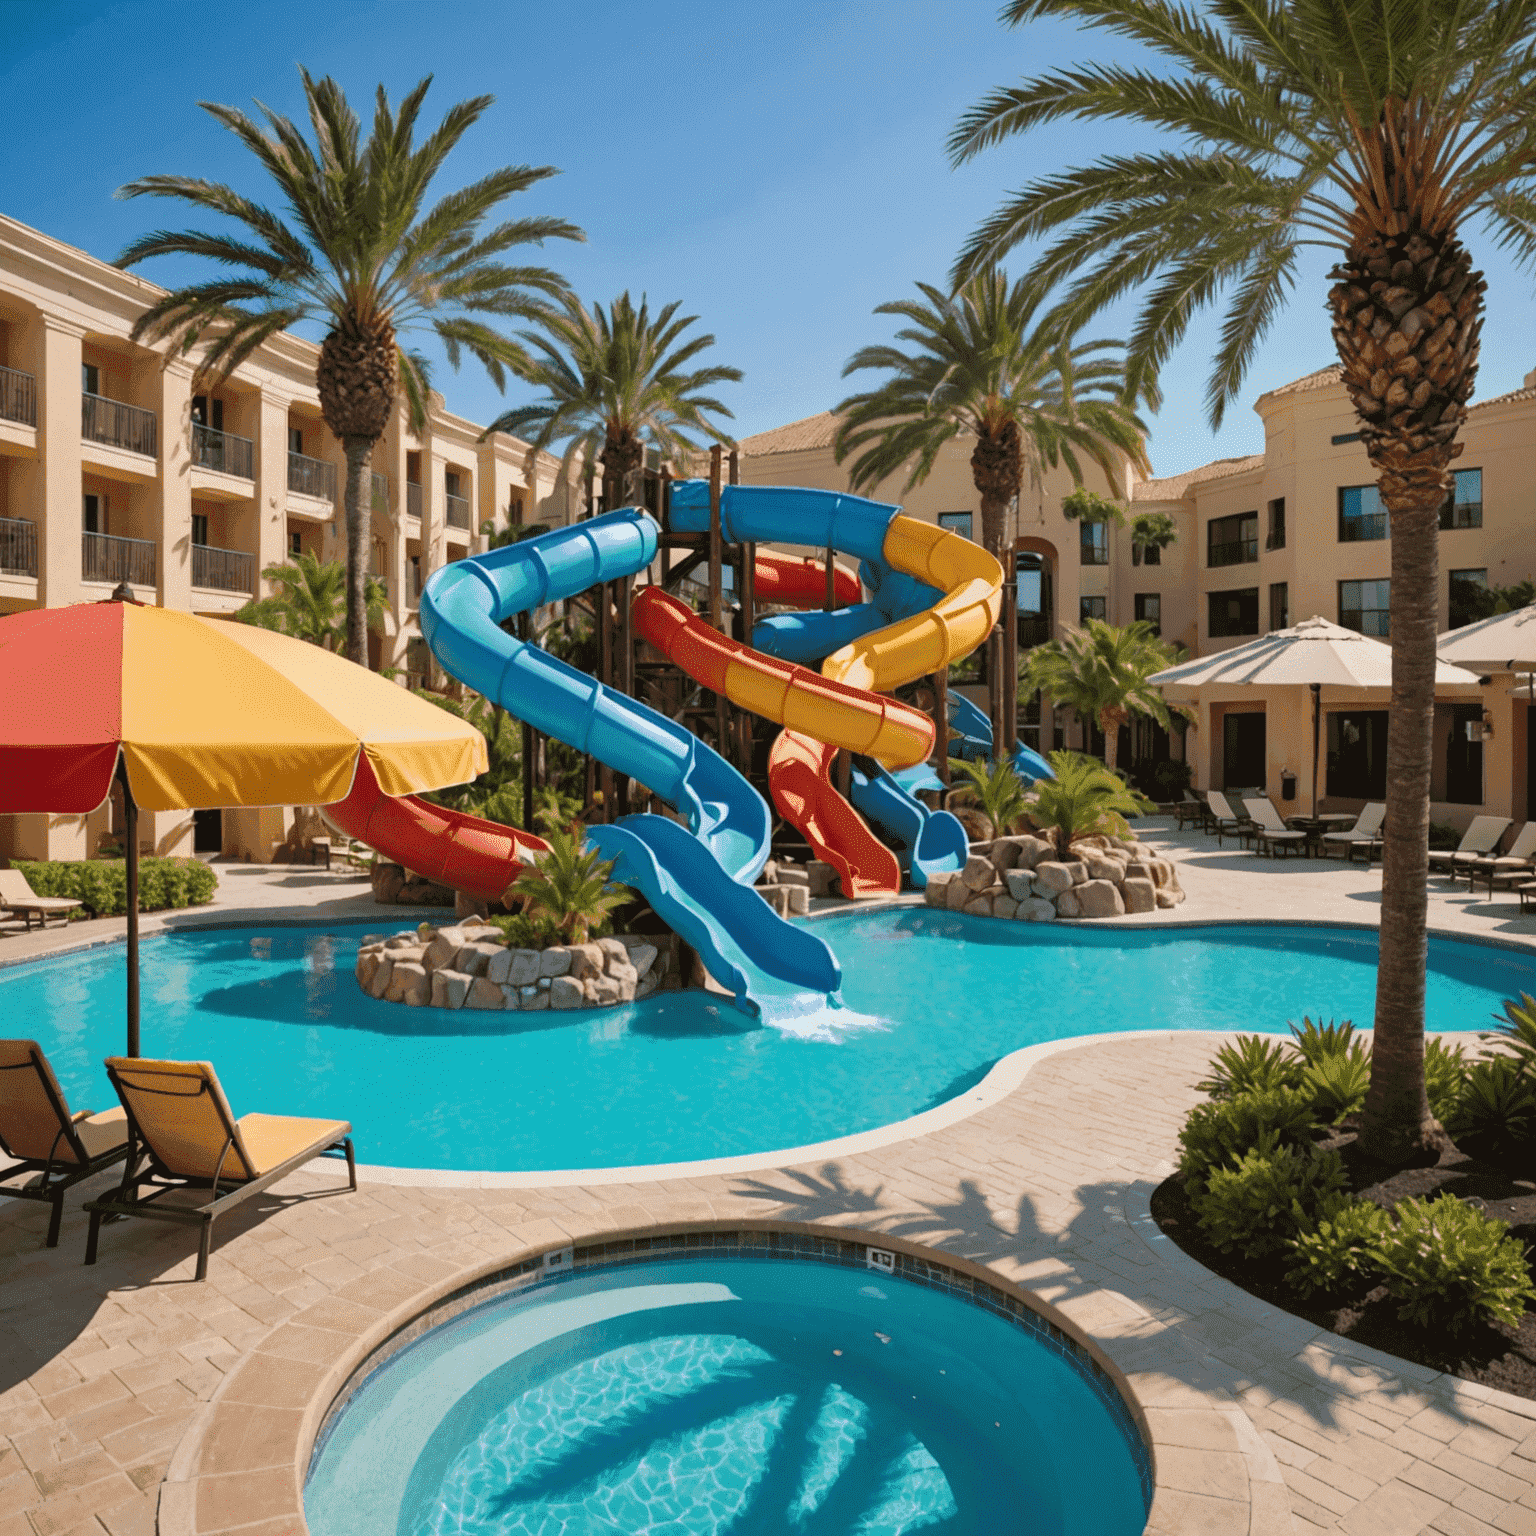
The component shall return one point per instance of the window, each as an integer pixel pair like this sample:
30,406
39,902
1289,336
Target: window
1464,506
1146,555
296,440
412,467
1366,606
515,511
1357,754
200,528
451,482
1361,514
1234,613
1232,540
1276,539
1149,610
1469,591
208,412
295,543
1032,582
1091,608
1461,727
90,378
91,518
956,522
1279,605
1093,543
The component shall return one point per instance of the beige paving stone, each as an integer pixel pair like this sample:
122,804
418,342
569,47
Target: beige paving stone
1394,1509
245,1497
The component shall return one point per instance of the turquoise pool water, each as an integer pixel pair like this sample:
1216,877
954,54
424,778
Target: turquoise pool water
705,1396
934,999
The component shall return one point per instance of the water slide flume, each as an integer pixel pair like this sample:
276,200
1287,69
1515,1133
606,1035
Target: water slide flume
698,878
870,649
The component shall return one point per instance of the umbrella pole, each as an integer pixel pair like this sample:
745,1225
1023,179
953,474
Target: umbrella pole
1317,717
131,833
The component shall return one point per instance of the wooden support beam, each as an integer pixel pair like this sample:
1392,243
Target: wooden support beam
716,592
941,720
831,598
625,678
605,669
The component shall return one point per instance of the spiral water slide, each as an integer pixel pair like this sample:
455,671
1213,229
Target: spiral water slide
935,598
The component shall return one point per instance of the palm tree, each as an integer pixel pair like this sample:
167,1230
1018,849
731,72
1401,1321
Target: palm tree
992,788
1084,799
980,366
616,381
1100,672
569,885
1380,129
310,601
361,255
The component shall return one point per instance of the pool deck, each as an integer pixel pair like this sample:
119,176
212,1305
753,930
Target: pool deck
134,1401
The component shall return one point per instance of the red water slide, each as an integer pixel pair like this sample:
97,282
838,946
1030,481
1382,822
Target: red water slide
800,581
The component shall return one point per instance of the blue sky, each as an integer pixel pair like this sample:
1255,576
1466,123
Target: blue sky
779,167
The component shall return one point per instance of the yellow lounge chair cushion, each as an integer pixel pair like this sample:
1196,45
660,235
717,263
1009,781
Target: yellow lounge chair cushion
101,1133
273,1139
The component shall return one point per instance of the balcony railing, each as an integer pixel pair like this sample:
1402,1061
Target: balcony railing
458,511
1234,552
380,492
223,570
119,425
18,547
312,477
18,396
106,558
412,500
222,451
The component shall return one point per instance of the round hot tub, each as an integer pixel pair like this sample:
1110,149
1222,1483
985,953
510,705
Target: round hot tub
718,1392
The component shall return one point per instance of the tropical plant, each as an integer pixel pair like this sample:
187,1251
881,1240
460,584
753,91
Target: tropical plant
362,255
1217,1135
1382,129
1261,1201
1517,1033
1318,1042
497,536
1445,1073
994,789
101,885
1337,1084
310,601
569,886
1081,505
1251,1064
615,382
1100,672
1495,1113
1336,1249
1085,799
1153,530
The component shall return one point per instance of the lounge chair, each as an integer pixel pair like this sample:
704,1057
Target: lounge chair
1366,833
42,1138
19,897
1270,829
1478,841
183,1122
1191,808
1516,864
1225,820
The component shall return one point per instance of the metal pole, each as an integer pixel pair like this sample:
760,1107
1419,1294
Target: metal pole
605,672
831,601
1317,720
524,630
131,834
716,595
941,720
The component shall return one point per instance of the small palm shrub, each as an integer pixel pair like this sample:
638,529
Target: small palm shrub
102,884
1258,1203
522,931
1445,1073
1337,1084
1518,1032
1495,1113
1450,1266
1085,799
1336,1250
994,789
1218,1134
1251,1064
569,886
1318,1041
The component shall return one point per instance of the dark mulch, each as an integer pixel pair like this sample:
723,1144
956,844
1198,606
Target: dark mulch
1495,1355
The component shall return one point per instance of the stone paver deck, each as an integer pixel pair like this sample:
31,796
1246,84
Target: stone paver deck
133,1400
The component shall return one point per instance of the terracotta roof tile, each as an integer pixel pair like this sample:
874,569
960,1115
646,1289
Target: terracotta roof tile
1322,379
1176,487
795,437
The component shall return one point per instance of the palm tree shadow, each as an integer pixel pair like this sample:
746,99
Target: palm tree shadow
813,1196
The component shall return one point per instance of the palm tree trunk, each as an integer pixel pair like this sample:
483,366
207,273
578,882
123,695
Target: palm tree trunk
1396,1125
994,536
358,505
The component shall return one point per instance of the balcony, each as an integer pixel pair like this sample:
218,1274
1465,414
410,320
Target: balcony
222,452
413,500
18,397
312,477
1233,552
223,570
18,547
118,425
106,558
458,510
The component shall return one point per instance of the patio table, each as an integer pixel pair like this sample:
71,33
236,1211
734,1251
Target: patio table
1315,826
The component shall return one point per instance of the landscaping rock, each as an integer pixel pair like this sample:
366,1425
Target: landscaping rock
534,998
1004,906
1032,850
978,906
612,950
442,952
819,878
499,967
1102,867
555,961
1004,854
586,960
378,984
387,881
482,993
423,893
512,997
565,992
769,874
1021,884
475,958
1099,898
956,894
449,988
465,905
404,941
524,970
604,991
648,984
1140,894
626,976
1079,872
367,965
1052,878
1167,896
937,890
978,873
642,957
1138,869
1036,909
409,983
1067,905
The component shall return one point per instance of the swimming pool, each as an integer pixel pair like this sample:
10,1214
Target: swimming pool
710,1394
934,1000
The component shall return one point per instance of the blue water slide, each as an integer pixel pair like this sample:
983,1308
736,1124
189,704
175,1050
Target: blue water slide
698,878
971,737
925,842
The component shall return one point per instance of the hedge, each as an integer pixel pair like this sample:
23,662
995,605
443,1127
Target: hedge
102,884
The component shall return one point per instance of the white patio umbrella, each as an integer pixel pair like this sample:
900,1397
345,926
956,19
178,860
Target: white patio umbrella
1311,654
1504,643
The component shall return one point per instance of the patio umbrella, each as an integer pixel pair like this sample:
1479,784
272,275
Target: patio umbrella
186,712
1311,653
1504,643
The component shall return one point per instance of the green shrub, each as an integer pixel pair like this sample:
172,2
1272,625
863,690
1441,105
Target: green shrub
1251,1064
102,884
1337,1084
1445,1072
1259,1203
523,930
1495,1113
1450,1265
1320,1042
1219,1134
1336,1249
1518,1032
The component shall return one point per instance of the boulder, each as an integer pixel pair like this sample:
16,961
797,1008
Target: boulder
978,906
642,957
1101,867
387,880
555,961
442,951
512,997
1021,884
648,984
626,976
1140,894
935,892
1168,897
1004,906
1079,871
1032,850
819,878
1160,871
475,958
800,899
586,960
465,905
1052,878
1067,905
565,992
979,872
499,967
777,896
613,951
793,874
533,998
769,875
483,993
956,894
524,969
409,977
449,988
378,985
604,991
368,963
410,940
1035,909
1099,898
1004,854
423,893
